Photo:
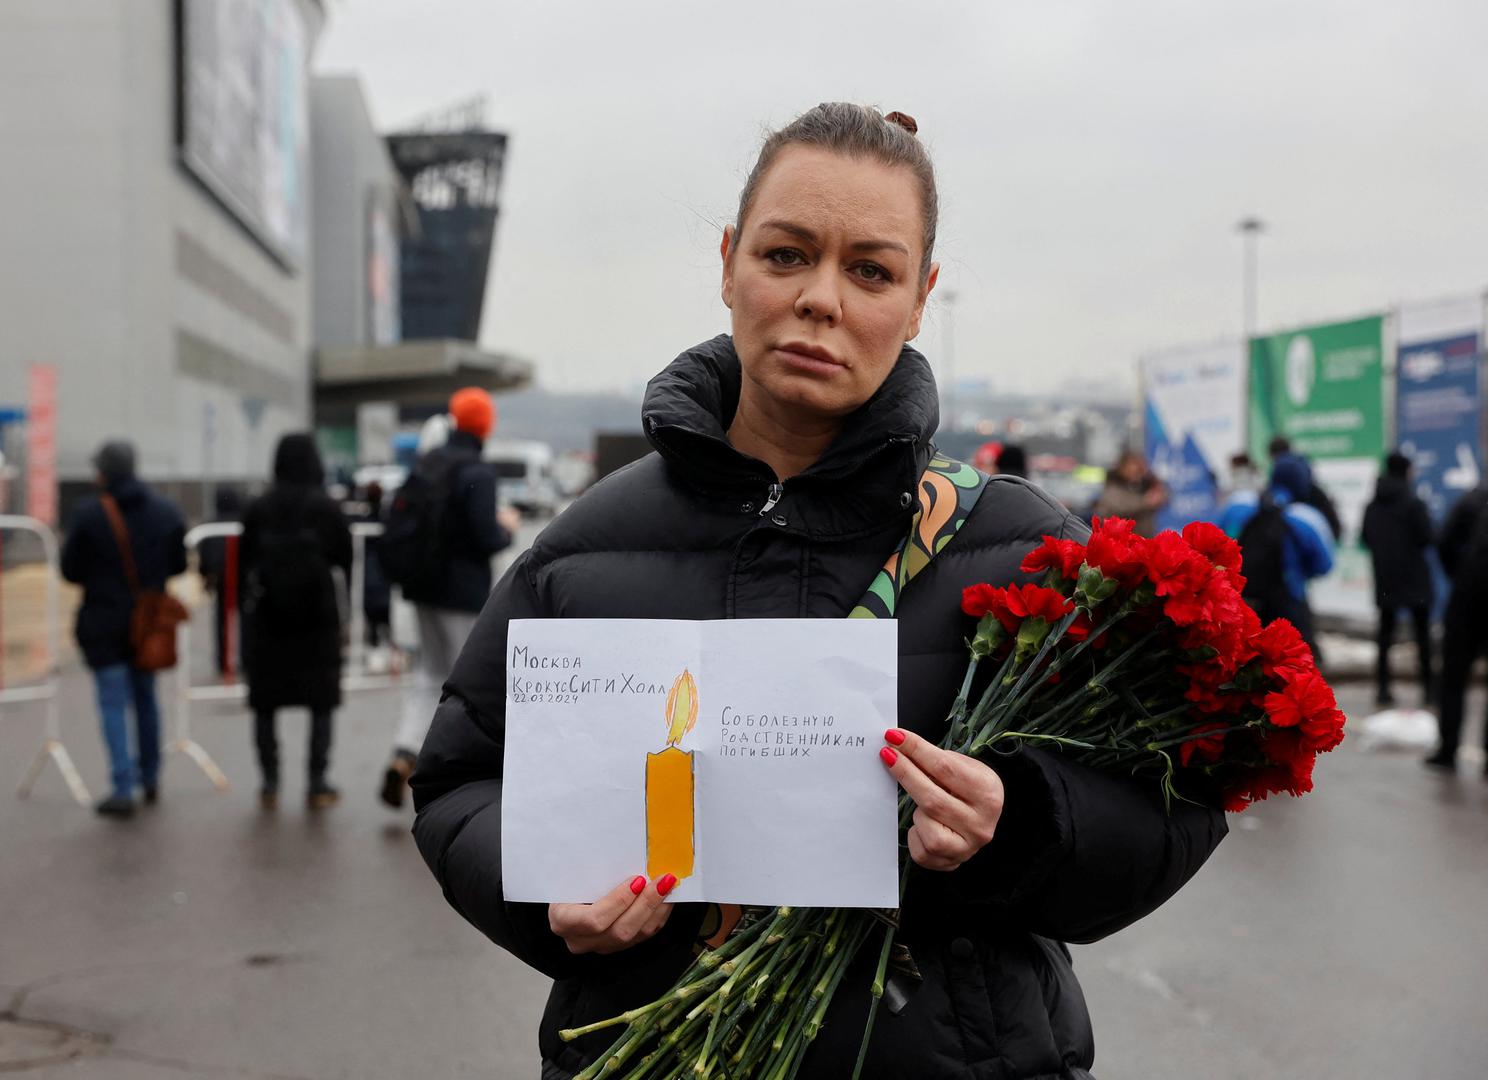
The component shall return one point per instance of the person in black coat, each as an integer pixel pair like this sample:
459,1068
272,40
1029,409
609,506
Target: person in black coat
215,565
1397,531
787,458
92,558
293,535
1463,547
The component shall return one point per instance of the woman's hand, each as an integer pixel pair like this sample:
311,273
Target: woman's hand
958,799
627,915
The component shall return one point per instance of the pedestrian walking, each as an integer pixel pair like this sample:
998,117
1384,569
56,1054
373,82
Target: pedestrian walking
1285,544
1463,548
786,458
377,590
1132,490
217,559
125,542
1316,495
1397,531
1244,476
443,528
294,535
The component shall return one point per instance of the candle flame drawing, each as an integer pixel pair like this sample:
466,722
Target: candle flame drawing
669,788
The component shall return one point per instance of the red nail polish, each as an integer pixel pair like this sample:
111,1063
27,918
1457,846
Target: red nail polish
895,736
638,884
889,756
665,884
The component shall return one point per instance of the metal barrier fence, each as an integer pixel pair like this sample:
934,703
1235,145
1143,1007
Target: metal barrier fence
52,747
355,677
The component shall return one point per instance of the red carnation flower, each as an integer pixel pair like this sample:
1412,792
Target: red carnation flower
1210,541
1065,556
1115,550
1174,568
976,600
1281,649
1303,696
1015,603
1323,730
1037,602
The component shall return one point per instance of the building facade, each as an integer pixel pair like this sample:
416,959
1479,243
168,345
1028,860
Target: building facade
156,251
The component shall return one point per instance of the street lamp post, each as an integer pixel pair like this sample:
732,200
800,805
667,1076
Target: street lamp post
1250,229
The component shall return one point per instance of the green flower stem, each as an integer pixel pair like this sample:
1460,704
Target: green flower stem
958,707
1059,739
875,998
759,1041
681,993
1003,714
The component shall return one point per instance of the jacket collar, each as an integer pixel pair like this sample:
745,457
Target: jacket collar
882,448
464,442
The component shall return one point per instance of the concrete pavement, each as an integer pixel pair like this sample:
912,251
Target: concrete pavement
1331,937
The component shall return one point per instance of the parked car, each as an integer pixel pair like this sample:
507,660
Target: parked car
524,475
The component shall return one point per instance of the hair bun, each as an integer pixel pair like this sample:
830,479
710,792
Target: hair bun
905,121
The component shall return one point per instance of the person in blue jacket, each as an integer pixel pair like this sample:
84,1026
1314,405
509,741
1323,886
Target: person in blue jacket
1286,548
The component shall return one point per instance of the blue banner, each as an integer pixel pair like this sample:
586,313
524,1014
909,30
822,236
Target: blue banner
1194,420
1438,417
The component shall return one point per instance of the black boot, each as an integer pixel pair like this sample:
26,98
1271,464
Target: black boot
395,779
268,759
118,806
320,793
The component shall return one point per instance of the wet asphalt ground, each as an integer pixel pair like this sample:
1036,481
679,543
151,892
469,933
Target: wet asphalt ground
1338,936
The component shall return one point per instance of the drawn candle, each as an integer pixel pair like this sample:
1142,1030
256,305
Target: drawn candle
669,788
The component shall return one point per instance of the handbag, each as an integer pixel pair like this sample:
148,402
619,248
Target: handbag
155,614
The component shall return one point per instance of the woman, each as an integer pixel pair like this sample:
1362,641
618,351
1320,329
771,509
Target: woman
787,460
1132,491
292,536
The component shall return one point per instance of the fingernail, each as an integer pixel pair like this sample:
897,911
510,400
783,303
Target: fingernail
895,736
665,884
638,884
889,756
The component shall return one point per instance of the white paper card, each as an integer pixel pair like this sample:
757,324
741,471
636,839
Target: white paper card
777,726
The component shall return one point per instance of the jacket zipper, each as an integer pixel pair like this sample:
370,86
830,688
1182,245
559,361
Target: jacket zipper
776,491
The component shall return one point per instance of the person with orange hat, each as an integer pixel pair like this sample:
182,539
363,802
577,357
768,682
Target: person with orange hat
442,531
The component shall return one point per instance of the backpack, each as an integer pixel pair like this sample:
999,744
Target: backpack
414,538
289,587
1263,543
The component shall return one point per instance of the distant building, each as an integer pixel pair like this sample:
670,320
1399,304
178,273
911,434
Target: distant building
155,243
391,349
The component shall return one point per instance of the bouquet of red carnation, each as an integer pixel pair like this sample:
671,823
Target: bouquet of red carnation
1131,654
1140,655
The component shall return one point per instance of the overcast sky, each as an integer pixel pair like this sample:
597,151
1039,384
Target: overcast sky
1093,160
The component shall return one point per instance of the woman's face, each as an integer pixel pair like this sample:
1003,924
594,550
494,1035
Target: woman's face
824,280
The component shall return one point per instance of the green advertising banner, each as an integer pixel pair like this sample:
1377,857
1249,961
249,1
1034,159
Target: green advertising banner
1323,388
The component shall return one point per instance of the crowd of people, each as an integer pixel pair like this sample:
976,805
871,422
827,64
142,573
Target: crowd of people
282,574
1288,529
444,526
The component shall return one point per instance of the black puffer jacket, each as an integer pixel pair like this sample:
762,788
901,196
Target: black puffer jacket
680,534
1397,531
91,558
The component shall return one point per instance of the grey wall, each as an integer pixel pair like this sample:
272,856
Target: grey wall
119,268
350,165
